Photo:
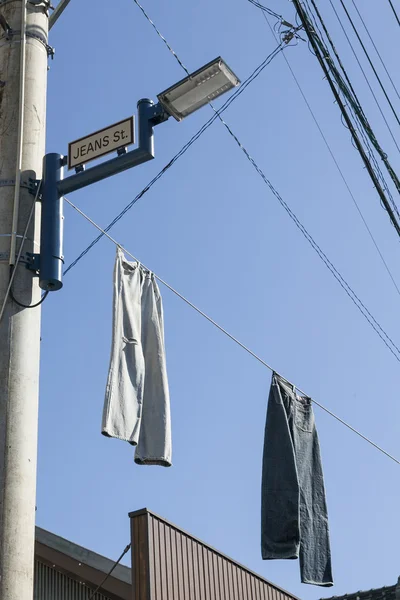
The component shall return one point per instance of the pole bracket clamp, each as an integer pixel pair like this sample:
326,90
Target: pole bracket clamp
33,186
33,262
45,3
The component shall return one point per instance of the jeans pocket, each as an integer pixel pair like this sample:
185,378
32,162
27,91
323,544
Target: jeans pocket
130,341
304,415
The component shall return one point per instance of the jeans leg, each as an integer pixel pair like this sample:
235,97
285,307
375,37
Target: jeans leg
154,446
124,391
280,537
315,554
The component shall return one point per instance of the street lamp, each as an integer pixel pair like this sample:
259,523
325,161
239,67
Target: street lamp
198,89
178,101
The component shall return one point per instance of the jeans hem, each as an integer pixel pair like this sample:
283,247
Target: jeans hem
280,555
161,462
320,583
118,437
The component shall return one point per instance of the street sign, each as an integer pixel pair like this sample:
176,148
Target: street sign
101,143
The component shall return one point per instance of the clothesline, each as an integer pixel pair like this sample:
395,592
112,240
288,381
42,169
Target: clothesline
232,337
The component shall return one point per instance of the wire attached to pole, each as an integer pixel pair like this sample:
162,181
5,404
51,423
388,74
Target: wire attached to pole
127,548
13,271
229,335
43,298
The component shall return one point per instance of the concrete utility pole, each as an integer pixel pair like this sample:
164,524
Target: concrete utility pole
23,77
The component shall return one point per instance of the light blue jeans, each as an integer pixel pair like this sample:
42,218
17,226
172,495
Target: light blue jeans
137,406
294,518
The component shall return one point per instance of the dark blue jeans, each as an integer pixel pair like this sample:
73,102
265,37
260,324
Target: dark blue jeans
294,519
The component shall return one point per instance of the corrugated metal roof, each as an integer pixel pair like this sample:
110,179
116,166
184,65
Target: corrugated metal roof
391,592
169,563
80,554
66,571
51,584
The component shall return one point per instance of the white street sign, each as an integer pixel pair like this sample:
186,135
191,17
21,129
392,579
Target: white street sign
101,143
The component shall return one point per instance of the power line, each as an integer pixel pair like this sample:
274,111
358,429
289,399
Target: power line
369,60
376,49
346,287
322,54
257,71
361,121
364,127
162,37
394,12
231,337
265,9
365,76
349,291
335,161
103,232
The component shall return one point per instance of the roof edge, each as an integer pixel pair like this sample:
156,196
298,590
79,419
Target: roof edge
144,511
82,555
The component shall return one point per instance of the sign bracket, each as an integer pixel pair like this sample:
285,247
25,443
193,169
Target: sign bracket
55,187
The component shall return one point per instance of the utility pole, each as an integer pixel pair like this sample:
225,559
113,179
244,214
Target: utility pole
23,80
24,52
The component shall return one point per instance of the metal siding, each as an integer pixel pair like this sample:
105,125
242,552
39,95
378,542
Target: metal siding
168,563
156,550
51,584
183,568
174,558
136,568
196,570
179,566
202,569
163,590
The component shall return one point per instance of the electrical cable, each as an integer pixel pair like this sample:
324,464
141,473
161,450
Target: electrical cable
365,76
126,550
349,93
229,335
13,269
267,10
43,298
363,126
182,151
321,52
334,159
369,60
104,232
376,49
356,300
394,12
162,37
355,104
346,287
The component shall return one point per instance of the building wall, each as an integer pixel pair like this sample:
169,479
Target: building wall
169,564
51,584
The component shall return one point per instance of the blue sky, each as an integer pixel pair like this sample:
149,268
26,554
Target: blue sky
212,229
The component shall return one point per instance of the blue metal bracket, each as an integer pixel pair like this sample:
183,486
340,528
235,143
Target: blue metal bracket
50,262
54,187
149,115
33,262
